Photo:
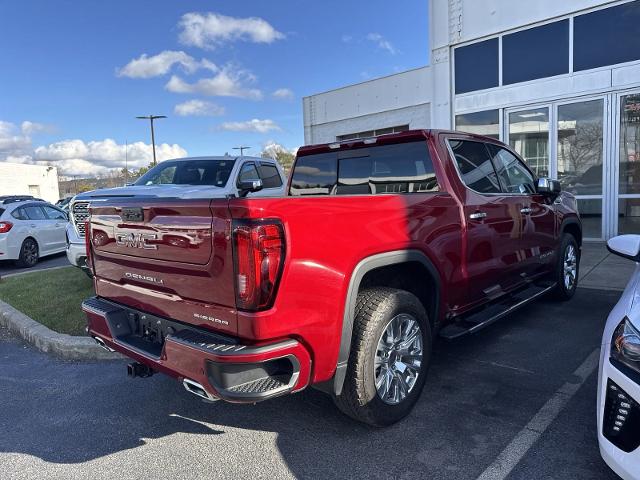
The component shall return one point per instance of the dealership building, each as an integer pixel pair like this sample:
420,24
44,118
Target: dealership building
558,81
41,181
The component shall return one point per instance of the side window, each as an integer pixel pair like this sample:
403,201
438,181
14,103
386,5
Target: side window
514,176
19,214
34,212
248,173
54,213
270,176
474,165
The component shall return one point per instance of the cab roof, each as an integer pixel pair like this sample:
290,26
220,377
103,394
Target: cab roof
389,139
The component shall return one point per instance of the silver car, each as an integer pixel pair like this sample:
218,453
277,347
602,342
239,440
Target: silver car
30,229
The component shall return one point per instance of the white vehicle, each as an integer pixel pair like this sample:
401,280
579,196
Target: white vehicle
619,376
193,177
30,229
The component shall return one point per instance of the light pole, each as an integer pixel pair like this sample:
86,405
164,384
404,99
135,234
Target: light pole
242,149
151,118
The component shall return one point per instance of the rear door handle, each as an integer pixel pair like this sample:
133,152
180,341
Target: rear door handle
525,211
477,215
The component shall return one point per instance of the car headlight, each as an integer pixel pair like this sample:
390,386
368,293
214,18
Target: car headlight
625,345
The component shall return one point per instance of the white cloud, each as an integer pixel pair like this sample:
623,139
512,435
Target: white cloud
29,128
228,82
77,157
14,142
283,94
382,43
255,125
199,108
209,30
347,38
156,65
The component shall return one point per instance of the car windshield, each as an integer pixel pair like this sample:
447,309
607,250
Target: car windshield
215,173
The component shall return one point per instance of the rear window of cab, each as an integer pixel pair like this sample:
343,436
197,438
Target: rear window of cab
397,168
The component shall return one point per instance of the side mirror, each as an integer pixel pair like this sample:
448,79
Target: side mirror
626,246
249,186
546,186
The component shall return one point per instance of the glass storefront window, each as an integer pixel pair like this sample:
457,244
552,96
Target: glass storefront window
537,52
481,123
630,144
529,137
628,215
477,66
591,216
605,37
580,130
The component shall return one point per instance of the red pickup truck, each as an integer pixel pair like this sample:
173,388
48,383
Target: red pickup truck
379,245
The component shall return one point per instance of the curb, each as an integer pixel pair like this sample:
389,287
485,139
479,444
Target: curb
46,340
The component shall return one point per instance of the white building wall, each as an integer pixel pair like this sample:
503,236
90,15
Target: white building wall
417,117
390,101
21,179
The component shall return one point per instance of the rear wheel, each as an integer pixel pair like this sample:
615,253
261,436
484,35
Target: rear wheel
28,254
390,354
567,269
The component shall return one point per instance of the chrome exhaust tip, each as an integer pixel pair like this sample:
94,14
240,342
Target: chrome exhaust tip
100,342
198,390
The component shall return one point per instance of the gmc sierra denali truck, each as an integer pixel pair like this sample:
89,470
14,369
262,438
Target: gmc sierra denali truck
342,284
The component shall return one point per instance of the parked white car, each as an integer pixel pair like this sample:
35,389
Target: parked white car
193,177
619,376
30,229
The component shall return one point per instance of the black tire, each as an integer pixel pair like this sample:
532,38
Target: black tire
565,290
29,253
375,309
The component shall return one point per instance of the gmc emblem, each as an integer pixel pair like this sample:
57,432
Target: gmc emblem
132,214
136,240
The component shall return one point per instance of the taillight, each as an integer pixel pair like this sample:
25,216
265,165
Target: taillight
5,227
259,249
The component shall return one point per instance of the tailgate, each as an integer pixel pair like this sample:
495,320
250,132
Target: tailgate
170,257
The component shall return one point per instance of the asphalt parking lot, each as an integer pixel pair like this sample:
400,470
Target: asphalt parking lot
488,399
8,267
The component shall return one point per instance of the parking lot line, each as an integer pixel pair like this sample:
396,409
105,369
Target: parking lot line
524,440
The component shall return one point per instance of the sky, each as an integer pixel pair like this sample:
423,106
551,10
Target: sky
75,74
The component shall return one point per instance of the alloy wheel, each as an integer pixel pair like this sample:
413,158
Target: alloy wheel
30,252
570,267
398,359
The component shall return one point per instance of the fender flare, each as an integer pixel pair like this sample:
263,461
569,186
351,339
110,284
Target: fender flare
362,268
571,221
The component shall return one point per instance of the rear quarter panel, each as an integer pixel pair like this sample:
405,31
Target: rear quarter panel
326,237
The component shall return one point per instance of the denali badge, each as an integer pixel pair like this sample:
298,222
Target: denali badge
136,240
146,278
211,319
